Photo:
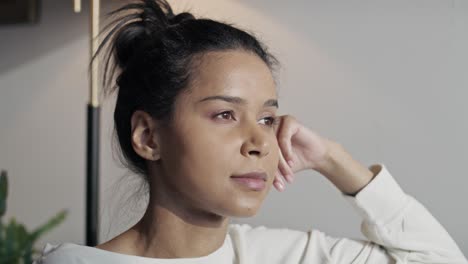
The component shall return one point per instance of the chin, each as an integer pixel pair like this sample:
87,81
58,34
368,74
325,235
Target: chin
243,214
245,210
248,214
242,204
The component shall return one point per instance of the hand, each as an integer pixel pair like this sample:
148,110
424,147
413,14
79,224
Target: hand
307,150
300,149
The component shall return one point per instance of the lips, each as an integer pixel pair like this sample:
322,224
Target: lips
255,181
252,175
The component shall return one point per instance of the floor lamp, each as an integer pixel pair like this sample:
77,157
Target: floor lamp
93,124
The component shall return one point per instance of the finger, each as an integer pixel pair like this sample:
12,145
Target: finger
284,168
278,183
286,130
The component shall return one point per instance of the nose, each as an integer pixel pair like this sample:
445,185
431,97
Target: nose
256,143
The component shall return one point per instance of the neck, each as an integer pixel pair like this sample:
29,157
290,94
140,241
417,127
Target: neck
167,231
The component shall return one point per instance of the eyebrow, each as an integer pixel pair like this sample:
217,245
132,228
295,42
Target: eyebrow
238,100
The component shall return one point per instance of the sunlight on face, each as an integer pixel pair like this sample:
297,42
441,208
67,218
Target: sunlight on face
222,127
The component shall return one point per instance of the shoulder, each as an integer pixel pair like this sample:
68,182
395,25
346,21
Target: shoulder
253,234
60,253
71,253
278,243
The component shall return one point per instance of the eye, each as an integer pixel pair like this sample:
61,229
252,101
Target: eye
226,115
271,120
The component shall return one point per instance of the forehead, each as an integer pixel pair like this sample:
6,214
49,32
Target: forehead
236,73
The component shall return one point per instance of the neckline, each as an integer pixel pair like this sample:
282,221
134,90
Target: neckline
225,251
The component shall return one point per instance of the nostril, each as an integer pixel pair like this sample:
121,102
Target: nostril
254,152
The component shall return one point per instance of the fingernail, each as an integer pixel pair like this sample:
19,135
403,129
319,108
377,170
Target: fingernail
280,185
289,178
290,162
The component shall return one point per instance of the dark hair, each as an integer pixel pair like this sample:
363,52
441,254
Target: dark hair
154,51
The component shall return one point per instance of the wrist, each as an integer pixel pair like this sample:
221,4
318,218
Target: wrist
348,175
329,161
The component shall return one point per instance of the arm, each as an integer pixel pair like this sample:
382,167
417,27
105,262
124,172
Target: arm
396,224
348,175
391,219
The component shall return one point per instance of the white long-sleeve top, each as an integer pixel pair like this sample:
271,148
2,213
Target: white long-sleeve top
399,230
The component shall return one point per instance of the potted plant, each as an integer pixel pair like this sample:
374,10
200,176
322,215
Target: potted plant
16,243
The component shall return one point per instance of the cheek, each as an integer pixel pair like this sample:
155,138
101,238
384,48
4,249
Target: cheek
274,154
202,152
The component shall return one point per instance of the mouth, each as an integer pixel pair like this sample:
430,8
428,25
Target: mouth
253,180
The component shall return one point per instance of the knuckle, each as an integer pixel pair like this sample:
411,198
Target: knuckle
289,118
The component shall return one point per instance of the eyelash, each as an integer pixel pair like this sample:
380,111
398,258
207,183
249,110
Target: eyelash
273,119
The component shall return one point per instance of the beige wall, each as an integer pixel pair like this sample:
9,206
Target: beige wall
386,79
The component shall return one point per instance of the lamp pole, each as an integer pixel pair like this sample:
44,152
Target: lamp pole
93,125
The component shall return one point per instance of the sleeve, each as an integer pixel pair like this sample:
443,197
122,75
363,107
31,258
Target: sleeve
399,228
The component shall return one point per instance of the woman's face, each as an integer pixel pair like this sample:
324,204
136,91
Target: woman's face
223,126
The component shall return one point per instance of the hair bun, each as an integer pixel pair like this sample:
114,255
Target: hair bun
179,18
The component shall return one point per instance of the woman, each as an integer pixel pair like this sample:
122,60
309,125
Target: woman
196,117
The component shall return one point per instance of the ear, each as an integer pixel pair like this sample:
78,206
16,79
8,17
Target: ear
145,136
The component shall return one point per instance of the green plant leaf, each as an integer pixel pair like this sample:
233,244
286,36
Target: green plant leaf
22,236
9,238
26,253
12,250
57,219
2,238
27,257
16,244
3,192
